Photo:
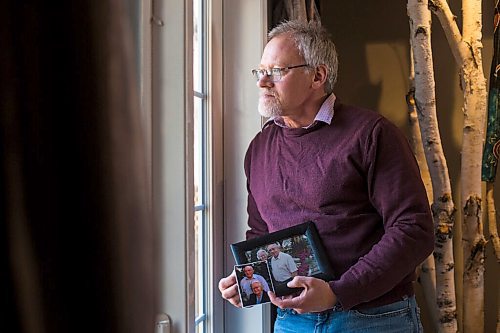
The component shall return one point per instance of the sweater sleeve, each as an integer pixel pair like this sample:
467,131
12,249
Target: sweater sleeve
397,193
257,225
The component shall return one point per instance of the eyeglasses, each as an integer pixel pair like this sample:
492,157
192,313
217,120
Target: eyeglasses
275,74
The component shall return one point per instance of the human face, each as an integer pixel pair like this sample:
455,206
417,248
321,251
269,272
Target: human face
262,256
274,250
257,288
248,270
285,97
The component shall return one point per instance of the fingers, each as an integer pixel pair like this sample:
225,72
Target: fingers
227,282
299,282
275,300
315,296
229,290
286,302
232,295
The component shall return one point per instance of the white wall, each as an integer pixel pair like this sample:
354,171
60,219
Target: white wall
244,36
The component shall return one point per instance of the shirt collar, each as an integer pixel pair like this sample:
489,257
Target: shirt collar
325,114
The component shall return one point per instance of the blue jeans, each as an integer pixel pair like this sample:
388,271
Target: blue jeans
398,317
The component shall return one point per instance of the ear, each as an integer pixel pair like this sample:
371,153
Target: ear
319,76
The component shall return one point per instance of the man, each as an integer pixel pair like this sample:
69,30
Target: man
258,296
250,276
352,173
283,266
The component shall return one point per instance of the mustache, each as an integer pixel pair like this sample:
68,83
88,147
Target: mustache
268,92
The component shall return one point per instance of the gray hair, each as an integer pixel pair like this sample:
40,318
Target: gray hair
275,243
314,45
255,281
261,251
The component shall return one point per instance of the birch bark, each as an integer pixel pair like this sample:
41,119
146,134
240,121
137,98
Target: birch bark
475,107
492,220
467,50
443,207
427,270
304,10
296,10
492,223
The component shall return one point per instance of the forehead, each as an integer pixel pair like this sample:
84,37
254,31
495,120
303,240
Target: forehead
280,51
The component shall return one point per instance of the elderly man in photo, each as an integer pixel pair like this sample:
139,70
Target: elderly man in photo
282,264
250,276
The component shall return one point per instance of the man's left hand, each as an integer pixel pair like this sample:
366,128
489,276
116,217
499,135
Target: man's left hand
316,296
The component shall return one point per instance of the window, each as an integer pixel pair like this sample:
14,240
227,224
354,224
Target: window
207,163
197,149
199,160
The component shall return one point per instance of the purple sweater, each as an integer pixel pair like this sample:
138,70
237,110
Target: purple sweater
358,181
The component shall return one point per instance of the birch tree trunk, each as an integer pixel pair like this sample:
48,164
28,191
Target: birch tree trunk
303,10
296,10
492,221
467,51
443,208
427,270
475,97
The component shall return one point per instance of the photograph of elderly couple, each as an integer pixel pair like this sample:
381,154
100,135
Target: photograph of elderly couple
271,266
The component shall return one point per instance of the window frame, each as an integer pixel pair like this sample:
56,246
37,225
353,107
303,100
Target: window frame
166,73
211,96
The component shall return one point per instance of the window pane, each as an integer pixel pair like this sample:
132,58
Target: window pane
198,152
199,270
198,51
200,176
199,186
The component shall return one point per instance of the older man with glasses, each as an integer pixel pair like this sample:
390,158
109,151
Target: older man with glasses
351,172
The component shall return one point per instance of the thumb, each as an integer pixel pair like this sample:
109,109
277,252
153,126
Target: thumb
297,282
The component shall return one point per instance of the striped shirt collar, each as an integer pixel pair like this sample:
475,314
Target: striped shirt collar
325,114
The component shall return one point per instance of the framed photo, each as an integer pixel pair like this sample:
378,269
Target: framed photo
254,281
289,252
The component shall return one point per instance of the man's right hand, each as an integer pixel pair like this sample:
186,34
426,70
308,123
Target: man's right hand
229,290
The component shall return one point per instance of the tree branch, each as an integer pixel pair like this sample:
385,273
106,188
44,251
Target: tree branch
448,21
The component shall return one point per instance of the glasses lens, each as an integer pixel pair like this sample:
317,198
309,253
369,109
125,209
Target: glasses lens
275,74
256,74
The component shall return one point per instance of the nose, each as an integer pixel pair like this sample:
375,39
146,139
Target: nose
265,81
